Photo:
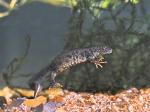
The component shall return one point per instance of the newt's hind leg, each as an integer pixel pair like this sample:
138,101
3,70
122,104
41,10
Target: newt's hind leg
99,61
53,83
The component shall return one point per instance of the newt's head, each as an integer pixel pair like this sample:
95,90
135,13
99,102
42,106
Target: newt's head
105,50
94,52
96,55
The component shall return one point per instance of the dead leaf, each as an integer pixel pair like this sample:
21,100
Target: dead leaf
35,102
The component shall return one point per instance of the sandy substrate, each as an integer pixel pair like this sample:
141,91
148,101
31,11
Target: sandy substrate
131,100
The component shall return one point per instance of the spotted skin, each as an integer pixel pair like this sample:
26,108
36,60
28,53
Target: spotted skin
65,61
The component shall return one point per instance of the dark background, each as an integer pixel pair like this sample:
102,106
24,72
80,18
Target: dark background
52,29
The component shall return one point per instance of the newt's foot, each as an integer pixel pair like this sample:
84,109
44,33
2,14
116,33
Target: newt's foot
57,85
99,61
54,84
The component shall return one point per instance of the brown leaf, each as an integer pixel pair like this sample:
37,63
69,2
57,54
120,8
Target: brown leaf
35,102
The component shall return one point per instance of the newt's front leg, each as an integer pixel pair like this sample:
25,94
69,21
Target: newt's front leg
99,61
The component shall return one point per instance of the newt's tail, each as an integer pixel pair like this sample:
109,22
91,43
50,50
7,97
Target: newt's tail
41,80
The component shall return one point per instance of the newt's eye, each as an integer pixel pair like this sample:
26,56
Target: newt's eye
106,50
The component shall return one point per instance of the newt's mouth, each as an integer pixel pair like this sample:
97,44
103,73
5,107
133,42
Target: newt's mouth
107,50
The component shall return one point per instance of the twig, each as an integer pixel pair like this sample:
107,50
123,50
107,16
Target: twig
15,65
